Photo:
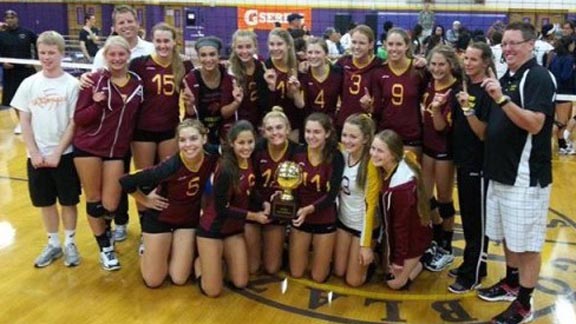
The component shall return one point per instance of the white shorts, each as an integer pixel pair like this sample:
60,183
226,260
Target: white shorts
517,215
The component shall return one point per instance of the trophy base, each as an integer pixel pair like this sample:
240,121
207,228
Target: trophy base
283,210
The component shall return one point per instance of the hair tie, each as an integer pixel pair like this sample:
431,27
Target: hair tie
208,41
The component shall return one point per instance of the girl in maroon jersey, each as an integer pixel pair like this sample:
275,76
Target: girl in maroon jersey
357,68
439,101
173,208
226,208
265,242
211,94
105,119
248,72
321,83
398,90
406,214
162,72
322,165
281,76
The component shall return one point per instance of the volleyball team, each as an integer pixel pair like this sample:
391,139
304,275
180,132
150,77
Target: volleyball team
378,144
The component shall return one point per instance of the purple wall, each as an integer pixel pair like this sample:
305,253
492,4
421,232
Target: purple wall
54,16
221,21
154,15
106,23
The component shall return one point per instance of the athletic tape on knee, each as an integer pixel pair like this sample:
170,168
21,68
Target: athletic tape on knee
95,209
446,210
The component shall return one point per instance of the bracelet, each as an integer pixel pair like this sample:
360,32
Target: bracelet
503,101
469,111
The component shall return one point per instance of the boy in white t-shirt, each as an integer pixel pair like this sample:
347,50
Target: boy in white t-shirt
46,101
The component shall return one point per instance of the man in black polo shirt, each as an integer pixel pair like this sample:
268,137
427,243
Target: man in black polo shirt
518,165
15,42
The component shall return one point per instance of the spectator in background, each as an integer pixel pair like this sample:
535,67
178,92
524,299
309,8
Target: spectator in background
426,19
346,40
569,28
495,40
332,37
453,33
461,44
295,25
89,38
15,42
298,33
562,67
438,38
387,26
542,46
416,43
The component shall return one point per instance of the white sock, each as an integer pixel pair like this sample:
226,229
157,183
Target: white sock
69,237
53,239
121,227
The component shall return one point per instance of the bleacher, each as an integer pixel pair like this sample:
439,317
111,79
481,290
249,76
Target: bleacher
73,52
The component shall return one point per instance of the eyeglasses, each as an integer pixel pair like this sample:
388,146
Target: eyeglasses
514,44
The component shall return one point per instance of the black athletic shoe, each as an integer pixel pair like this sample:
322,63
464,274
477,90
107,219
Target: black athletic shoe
514,314
461,286
500,291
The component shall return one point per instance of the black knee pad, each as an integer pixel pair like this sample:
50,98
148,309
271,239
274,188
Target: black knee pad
95,209
446,210
433,203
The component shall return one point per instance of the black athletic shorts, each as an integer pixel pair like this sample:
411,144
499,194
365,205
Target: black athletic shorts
149,223
47,184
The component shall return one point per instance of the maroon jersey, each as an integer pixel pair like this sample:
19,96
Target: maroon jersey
181,184
432,140
253,105
105,128
321,95
209,102
397,98
265,168
408,238
320,186
160,111
279,97
355,79
225,207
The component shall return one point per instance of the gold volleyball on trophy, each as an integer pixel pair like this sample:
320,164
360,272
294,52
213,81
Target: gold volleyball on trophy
288,176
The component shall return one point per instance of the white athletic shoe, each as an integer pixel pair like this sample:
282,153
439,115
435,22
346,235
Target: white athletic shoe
109,260
441,260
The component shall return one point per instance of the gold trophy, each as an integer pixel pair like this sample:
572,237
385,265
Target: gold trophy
288,176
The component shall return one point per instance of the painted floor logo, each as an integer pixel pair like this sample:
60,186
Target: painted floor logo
428,300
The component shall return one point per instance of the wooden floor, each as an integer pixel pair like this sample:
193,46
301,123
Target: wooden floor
88,294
